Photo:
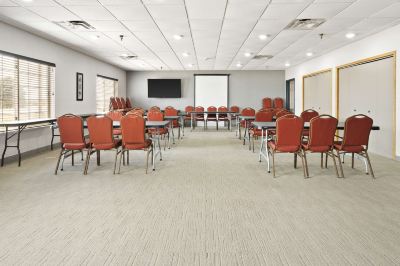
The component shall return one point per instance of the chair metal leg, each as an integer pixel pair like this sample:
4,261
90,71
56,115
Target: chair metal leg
305,165
115,161
147,160
98,157
72,157
273,164
334,163
326,160
352,160
62,162
322,160
369,164
295,160
81,155
89,151
340,164
120,160
58,161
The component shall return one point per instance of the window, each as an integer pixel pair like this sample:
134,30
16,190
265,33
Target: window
26,88
105,89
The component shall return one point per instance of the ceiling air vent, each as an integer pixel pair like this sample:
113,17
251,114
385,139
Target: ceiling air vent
128,57
262,56
305,24
76,25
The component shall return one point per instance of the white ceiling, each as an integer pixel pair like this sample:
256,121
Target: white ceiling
216,33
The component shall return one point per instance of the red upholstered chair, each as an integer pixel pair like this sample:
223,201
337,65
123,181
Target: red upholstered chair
113,104
128,103
101,138
123,102
134,137
281,113
235,109
223,117
115,116
355,139
155,115
212,117
261,116
138,110
119,103
171,111
200,117
266,103
307,115
188,109
155,108
246,123
71,136
278,103
288,137
321,138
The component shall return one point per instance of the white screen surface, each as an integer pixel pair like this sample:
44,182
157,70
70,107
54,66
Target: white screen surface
211,90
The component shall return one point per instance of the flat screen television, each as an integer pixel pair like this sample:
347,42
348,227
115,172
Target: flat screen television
164,88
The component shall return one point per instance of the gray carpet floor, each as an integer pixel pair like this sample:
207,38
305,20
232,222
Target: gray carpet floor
210,202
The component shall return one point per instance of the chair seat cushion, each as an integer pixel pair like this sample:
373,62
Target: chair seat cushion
107,146
316,148
257,132
138,146
117,131
340,147
159,131
76,146
273,146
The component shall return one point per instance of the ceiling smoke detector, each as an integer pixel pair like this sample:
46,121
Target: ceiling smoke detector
305,24
262,56
75,25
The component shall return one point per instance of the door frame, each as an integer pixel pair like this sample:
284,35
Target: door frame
288,93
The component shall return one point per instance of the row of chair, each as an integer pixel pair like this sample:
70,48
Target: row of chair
120,103
269,103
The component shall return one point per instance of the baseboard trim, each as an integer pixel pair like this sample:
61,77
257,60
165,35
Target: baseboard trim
29,154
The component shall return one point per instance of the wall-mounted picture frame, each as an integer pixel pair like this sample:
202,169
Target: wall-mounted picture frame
79,86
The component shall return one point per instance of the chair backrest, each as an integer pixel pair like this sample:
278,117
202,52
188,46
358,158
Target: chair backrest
138,109
115,115
266,102
155,115
71,129
114,104
282,112
199,109
189,108
133,129
264,116
308,114
356,130
170,111
278,103
169,107
154,108
123,102
135,112
212,109
248,112
100,130
223,109
289,130
119,103
322,130
128,103
235,109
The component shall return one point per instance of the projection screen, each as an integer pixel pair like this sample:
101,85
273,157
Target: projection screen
211,90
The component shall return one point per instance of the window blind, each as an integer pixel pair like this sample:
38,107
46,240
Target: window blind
26,89
105,88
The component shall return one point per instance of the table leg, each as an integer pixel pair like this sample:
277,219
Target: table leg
191,121
5,147
261,145
18,141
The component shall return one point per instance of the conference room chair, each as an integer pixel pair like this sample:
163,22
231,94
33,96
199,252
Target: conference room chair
134,138
223,117
135,112
355,140
128,103
288,138
212,117
119,103
282,112
116,116
187,117
266,103
321,139
138,110
307,115
234,115
155,108
254,133
199,117
171,111
101,139
246,123
113,104
278,103
71,137
163,133
123,102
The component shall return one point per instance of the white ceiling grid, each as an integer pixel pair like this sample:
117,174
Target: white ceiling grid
216,33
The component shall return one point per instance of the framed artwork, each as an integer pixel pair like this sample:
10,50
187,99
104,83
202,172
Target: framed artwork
79,86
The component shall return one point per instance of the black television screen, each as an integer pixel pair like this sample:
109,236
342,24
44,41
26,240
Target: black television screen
164,88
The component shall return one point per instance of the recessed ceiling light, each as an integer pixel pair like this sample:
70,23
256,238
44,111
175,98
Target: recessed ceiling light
124,55
238,65
190,65
27,1
309,54
178,37
185,54
95,37
247,54
287,65
350,35
263,37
